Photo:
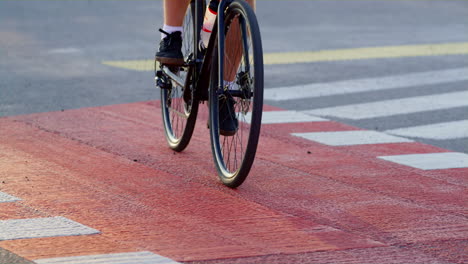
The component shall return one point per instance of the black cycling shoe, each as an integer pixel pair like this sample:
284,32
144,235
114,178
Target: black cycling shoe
170,49
228,123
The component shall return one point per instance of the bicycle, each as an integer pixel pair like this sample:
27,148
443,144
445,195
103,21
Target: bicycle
201,79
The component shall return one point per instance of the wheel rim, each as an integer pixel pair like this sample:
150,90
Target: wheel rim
233,152
176,109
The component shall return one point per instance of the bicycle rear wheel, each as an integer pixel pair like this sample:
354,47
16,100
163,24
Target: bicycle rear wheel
242,58
178,103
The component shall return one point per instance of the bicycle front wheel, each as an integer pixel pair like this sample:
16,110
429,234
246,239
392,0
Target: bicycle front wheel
241,95
178,103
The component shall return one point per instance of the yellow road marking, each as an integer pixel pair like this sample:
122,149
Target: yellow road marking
331,55
367,53
136,65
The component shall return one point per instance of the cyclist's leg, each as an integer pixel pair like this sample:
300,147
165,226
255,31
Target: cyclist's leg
174,12
179,107
232,60
234,154
170,47
234,50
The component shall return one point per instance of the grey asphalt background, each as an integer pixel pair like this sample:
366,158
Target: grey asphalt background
51,51
6,257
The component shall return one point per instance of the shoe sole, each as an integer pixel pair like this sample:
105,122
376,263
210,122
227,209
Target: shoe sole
227,133
170,61
223,132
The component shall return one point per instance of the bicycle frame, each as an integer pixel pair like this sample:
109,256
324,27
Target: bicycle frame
202,84
201,78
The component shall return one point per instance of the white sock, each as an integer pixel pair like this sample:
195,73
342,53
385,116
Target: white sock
229,84
170,29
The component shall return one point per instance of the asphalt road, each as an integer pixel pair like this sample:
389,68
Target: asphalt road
52,54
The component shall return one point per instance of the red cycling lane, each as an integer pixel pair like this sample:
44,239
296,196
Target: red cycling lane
108,168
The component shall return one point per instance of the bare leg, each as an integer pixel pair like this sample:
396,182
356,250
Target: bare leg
169,51
174,12
234,49
228,119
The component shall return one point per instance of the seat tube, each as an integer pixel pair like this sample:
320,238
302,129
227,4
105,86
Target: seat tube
221,39
198,25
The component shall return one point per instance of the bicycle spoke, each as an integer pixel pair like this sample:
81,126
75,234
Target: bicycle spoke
179,113
234,154
243,88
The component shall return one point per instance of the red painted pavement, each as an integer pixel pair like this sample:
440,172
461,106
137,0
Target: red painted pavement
109,168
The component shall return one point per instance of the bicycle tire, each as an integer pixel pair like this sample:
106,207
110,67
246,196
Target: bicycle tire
233,157
179,106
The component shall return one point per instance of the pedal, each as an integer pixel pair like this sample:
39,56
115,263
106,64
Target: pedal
162,80
159,74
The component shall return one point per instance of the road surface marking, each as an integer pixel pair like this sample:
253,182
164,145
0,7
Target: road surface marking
135,65
65,50
42,227
367,53
431,161
144,257
283,117
440,131
395,106
364,85
349,138
460,48
5,198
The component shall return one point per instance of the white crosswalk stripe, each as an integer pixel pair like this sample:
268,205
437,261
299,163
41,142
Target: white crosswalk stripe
42,227
143,257
431,161
5,197
451,133
395,106
445,130
349,138
281,117
423,79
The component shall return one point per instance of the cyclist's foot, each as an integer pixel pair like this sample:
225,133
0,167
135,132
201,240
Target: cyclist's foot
170,49
228,123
